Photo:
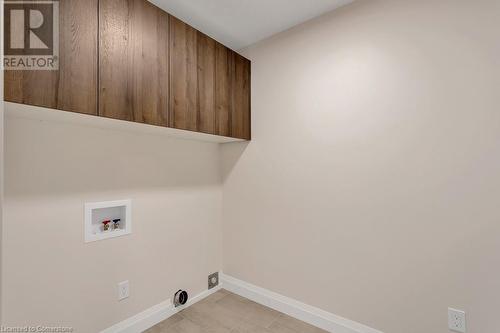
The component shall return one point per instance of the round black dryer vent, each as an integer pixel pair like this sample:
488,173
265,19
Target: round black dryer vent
180,298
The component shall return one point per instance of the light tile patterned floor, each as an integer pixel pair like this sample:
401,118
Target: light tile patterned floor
224,312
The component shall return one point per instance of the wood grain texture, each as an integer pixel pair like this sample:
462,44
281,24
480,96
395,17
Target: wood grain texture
134,53
223,92
74,86
240,115
183,76
206,84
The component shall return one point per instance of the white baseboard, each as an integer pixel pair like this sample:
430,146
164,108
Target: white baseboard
309,314
154,315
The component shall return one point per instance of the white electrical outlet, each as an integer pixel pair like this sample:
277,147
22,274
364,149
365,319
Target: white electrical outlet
123,290
456,320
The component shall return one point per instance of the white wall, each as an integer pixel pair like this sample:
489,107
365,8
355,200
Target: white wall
50,276
371,188
1,156
1,180
1,186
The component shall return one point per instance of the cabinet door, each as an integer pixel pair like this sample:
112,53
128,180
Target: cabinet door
134,53
240,116
74,86
224,60
206,84
183,76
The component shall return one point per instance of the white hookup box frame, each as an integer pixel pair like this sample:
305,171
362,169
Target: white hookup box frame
97,212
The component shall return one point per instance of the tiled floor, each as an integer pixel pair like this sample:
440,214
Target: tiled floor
224,312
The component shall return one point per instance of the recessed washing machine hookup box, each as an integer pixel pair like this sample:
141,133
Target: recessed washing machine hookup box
109,219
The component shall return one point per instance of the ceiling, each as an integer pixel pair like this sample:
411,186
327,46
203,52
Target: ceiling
240,23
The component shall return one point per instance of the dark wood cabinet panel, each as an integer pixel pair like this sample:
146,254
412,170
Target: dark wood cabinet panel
206,84
183,76
224,60
133,61
74,86
240,116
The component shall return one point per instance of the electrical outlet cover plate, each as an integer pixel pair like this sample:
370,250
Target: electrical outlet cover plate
123,290
456,320
213,280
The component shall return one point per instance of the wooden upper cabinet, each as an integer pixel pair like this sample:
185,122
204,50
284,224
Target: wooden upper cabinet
133,61
183,76
130,60
210,84
74,86
240,116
